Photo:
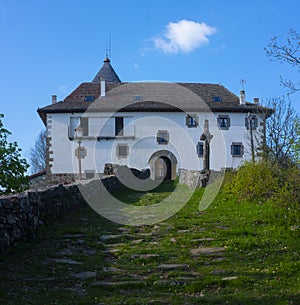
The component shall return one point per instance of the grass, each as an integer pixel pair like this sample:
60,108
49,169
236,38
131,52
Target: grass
260,263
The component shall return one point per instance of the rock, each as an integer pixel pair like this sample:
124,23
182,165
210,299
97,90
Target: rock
217,272
229,278
144,256
84,275
173,266
65,261
207,251
203,239
137,241
115,284
108,237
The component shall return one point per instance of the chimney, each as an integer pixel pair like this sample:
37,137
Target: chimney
54,99
102,88
256,101
242,97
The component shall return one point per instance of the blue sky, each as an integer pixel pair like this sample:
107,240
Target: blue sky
50,47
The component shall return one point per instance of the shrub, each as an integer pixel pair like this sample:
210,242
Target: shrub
265,182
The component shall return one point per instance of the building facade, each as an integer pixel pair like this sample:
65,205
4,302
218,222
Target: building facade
160,126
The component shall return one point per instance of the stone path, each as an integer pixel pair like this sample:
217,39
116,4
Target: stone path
132,259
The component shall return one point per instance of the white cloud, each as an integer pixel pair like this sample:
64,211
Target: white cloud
184,36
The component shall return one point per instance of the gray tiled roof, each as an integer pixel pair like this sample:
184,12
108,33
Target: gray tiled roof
107,73
151,96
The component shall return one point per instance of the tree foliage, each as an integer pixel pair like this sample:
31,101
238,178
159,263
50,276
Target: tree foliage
38,153
282,132
288,52
12,166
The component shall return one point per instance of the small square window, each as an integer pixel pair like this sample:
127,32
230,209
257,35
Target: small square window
162,137
89,98
237,149
122,150
254,122
217,99
223,122
200,149
137,98
191,121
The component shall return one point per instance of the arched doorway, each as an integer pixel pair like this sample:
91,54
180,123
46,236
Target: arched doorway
163,165
163,168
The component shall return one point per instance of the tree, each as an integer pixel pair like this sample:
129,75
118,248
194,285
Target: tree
12,166
38,153
282,132
288,53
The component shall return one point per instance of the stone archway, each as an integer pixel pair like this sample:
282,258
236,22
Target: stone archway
163,165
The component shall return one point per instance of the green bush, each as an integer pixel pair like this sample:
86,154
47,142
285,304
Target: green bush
265,182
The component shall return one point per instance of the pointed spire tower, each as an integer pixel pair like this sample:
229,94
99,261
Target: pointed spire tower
107,73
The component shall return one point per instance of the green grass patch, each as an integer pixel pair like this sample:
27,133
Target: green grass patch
154,264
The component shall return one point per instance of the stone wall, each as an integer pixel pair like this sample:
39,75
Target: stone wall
193,179
22,214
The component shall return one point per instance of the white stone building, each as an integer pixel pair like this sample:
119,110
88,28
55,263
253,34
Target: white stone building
164,127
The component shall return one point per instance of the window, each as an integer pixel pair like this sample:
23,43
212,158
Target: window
162,137
122,150
119,125
137,98
84,124
81,153
191,120
223,122
217,99
76,122
237,149
254,122
200,148
89,98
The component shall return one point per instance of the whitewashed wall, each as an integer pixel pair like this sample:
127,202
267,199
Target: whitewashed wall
182,141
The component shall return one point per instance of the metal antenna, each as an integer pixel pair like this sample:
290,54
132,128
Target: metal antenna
243,82
109,45
106,51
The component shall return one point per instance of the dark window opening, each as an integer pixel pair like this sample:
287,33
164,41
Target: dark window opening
119,125
237,150
217,99
224,122
162,137
89,98
191,121
254,122
84,124
200,149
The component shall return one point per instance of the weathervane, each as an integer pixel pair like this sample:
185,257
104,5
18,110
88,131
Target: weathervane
108,49
243,82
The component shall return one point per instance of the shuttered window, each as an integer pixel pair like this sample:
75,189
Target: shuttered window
162,137
200,149
223,122
237,149
254,122
122,150
191,120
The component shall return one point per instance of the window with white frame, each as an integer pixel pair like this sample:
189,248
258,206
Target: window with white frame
122,150
200,149
191,120
253,120
162,137
223,122
237,149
